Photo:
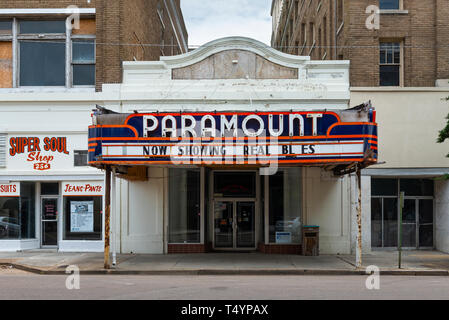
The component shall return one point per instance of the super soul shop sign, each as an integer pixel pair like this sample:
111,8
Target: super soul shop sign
40,153
255,138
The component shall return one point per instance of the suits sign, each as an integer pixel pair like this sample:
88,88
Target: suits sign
234,138
10,189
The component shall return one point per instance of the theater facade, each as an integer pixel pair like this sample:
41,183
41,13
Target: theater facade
232,147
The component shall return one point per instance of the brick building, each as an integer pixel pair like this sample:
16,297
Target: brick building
56,60
399,55
409,49
44,54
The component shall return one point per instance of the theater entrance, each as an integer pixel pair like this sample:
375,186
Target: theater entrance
235,209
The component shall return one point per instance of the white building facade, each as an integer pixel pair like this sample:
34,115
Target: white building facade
410,161
169,207
43,170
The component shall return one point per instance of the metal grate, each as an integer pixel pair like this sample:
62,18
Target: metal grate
80,158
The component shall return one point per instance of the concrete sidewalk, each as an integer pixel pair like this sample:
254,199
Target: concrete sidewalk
48,262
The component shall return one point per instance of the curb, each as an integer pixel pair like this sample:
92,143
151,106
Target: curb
227,272
23,267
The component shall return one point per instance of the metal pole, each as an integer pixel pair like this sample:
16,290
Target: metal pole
107,216
114,217
358,251
401,206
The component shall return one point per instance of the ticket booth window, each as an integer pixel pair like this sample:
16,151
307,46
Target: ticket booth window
285,207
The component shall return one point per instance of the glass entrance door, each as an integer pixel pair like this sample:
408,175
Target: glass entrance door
49,218
409,223
425,223
417,223
234,224
224,224
245,224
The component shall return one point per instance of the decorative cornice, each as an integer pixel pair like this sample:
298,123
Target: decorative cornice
239,43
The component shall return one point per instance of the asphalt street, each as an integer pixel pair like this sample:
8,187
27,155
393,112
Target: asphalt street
15,284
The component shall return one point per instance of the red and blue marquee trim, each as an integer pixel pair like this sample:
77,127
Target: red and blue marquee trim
358,140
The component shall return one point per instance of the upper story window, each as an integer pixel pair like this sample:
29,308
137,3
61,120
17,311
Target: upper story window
389,4
5,27
42,27
303,33
44,53
390,64
83,62
296,9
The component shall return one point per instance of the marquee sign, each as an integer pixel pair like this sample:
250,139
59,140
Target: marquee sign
233,138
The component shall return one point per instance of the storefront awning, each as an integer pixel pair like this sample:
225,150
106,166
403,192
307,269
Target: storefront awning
336,139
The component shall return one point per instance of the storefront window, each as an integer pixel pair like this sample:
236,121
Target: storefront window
184,206
9,218
417,214
285,206
28,210
17,211
83,218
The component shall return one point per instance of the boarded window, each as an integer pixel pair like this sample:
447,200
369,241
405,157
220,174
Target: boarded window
6,64
87,26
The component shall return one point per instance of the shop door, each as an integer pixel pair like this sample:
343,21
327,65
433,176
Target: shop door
49,218
234,224
417,223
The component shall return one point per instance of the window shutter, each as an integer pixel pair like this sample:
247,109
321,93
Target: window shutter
2,150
